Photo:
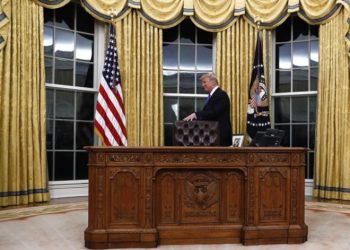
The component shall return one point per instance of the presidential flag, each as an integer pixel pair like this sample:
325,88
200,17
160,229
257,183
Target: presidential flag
258,115
110,121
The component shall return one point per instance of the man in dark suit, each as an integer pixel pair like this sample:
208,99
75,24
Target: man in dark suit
216,108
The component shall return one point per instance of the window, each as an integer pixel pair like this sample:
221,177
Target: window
295,90
187,54
70,93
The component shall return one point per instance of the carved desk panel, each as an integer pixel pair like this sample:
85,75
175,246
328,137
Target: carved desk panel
142,197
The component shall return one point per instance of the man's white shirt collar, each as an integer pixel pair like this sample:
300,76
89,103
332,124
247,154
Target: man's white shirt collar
213,90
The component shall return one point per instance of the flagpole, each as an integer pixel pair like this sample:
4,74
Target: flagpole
257,21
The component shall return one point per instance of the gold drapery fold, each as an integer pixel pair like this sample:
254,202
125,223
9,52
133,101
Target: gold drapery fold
208,14
316,9
234,64
332,178
140,59
23,173
106,10
211,14
293,5
162,13
52,4
266,11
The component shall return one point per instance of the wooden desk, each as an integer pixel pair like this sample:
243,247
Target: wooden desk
142,197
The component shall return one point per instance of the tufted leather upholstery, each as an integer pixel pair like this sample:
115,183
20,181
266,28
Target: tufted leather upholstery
196,133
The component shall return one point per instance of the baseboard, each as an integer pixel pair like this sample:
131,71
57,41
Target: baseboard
64,189
309,184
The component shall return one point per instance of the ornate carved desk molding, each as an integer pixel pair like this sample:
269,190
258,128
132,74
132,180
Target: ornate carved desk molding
142,197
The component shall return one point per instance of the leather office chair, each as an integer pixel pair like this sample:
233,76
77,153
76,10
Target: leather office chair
196,133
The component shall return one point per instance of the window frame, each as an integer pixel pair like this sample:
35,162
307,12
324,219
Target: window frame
292,93
197,72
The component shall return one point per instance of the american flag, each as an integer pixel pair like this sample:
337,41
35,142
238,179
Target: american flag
110,121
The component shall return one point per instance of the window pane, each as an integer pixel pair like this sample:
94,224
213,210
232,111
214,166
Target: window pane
187,81
312,108
49,134
313,78
300,54
204,57
283,33
204,37
81,166
49,156
186,107
63,166
170,60
170,35
64,105
64,134
168,135
199,84
283,81
63,72
299,135
85,106
297,119
311,166
169,81
300,29
187,57
84,74
48,41
65,16
314,53
300,80
282,110
85,48
286,139
85,22
85,131
48,70
48,16
299,109
200,103
49,103
170,109
283,57
314,31
64,44
187,34
312,136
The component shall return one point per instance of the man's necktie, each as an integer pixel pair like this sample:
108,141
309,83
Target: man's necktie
207,100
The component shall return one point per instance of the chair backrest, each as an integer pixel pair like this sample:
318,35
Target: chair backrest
196,133
269,138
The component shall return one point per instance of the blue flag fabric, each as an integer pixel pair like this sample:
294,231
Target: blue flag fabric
258,115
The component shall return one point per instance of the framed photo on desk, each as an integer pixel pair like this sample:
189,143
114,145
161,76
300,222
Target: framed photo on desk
237,140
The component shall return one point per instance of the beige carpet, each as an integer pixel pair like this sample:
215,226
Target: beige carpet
62,226
19,213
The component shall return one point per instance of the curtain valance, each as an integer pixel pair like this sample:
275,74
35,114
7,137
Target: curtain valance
211,15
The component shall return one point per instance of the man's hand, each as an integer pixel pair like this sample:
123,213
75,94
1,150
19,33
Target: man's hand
191,117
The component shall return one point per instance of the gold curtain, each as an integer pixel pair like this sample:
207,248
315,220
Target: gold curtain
52,3
140,60
23,173
332,179
315,9
234,64
208,14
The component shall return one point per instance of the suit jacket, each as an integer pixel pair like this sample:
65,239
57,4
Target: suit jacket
218,109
